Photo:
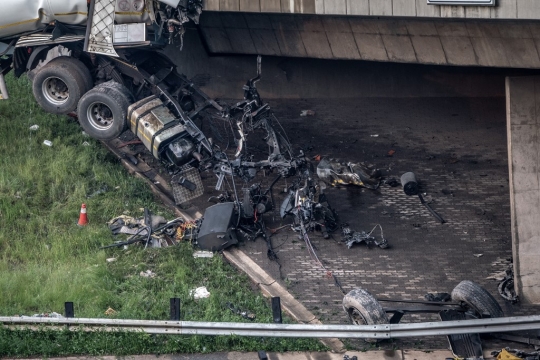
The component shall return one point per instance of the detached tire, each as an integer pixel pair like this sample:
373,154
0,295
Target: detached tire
102,112
58,86
477,298
363,309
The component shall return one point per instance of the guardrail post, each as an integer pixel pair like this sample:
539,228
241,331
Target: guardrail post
175,309
68,307
276,310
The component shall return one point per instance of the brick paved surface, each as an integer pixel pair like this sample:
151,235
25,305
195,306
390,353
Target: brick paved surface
457,149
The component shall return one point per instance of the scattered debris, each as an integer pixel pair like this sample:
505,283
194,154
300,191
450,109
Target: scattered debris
47,142
100,191
334,173
199,293
351,237
307,113
203,254
478,255
506,286
391,152
375,135
148,274
514,354
110,260
347,357
242,313
152,230
392,182
47,315
34,127
110,311
86,143
438,297
411,187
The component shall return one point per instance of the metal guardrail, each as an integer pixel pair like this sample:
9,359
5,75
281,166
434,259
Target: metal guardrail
385,331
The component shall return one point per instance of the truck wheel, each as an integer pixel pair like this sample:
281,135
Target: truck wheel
58,86
121,88
477,298
102,112
363,309
78,66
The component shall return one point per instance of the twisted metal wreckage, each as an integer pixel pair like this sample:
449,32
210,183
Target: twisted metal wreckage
104,60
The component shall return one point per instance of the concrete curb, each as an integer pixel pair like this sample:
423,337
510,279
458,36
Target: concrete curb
271,288
368,355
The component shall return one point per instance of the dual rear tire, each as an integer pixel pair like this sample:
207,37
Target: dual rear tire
65,85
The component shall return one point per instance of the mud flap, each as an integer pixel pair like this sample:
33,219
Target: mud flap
466,346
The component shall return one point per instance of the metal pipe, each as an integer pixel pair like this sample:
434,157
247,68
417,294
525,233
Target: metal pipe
385,331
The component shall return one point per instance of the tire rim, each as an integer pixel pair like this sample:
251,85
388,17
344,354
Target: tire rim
100,116
356,317
55,90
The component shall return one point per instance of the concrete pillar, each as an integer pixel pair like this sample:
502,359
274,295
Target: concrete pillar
523,129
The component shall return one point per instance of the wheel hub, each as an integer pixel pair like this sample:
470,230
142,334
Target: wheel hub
100,116
55,90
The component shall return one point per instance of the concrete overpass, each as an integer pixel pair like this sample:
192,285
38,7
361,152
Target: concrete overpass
505,36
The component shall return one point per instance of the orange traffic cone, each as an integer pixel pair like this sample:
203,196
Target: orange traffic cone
83,219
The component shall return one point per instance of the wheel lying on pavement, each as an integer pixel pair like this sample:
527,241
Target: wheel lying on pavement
477,298
363,309
103,110
59,85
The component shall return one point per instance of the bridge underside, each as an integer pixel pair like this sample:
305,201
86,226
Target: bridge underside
489,43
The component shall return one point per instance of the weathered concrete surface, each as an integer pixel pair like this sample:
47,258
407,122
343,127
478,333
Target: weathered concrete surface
523,123
512,44
223,75
505,9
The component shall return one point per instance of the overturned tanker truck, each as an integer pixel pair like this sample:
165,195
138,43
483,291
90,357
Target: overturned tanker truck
103,59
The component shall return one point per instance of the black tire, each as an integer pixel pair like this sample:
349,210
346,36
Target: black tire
58,87
102,112
477,298
363,308
79,66
121,88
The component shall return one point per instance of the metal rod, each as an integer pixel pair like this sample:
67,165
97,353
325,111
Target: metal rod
435,303
385,331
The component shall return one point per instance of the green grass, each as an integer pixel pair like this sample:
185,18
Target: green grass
45,259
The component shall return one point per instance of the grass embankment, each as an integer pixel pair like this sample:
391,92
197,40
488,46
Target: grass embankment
45,259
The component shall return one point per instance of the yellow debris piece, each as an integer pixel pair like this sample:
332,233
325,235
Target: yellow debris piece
505,355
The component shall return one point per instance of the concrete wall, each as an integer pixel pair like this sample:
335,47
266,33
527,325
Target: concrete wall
523,122
490,43
223,76
505,9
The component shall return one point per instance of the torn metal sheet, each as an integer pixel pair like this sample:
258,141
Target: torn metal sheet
334,172
351,237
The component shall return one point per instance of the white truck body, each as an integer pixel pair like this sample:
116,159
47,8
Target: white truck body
22,16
